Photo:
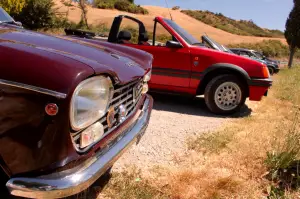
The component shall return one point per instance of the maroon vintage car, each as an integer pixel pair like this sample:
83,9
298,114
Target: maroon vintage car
68,109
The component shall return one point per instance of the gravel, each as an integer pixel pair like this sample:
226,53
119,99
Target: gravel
174,119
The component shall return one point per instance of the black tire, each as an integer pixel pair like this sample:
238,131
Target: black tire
271,70
212,87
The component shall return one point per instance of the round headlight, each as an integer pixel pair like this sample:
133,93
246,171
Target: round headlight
90,101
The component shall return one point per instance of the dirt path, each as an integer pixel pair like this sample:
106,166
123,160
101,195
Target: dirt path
174,119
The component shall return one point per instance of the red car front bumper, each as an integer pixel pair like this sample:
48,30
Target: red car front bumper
259,88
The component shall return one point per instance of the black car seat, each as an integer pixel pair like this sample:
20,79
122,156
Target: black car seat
124,37
143,39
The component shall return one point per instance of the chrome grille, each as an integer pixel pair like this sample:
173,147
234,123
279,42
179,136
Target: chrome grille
127,95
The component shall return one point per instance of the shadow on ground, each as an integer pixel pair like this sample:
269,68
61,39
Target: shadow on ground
190,106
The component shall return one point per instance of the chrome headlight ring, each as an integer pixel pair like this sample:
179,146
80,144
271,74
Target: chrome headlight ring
90,101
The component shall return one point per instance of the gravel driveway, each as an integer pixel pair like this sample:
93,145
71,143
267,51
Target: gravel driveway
174,119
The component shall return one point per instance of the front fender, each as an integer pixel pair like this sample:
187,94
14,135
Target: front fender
29,138
229,67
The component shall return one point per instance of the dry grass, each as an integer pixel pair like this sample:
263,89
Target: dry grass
230,163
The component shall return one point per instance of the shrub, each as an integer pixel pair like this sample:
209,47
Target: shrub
176,8
129,7
37,14
123,5
104,4
12,7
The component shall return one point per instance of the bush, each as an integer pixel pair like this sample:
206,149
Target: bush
37,14
176,8
12,7
129,7
123,5
104,4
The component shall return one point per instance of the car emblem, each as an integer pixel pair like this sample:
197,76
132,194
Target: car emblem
131,64
110,116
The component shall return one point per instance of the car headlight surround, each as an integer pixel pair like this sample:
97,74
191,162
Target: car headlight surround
147,77
90,101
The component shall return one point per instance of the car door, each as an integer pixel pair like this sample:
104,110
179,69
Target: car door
171,65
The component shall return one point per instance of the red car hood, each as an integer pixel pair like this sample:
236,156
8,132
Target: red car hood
124,63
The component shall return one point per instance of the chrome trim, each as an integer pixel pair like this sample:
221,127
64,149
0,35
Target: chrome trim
33,88
70,182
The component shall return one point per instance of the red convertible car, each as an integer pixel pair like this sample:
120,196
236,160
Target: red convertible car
68,109
183,65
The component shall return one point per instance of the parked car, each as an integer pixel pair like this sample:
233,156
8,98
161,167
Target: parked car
183,65
273,65
69,109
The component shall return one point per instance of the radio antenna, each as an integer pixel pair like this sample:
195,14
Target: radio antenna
169,10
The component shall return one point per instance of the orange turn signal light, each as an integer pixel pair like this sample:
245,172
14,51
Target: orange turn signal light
265,71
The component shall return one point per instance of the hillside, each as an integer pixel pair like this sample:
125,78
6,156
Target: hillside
193,26
238,27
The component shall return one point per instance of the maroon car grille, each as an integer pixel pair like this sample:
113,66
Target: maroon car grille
127,95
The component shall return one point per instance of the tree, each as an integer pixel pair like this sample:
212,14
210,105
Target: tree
12,7
82,6
37,14
292,30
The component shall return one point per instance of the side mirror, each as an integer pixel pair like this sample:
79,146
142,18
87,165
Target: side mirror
173,44
18,23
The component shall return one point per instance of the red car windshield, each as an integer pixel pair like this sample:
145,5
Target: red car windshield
184,34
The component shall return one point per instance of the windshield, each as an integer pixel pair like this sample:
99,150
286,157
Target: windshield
4,17
258,55
226,49
184,34
210,43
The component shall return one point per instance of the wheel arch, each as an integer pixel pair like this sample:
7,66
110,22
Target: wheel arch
220,69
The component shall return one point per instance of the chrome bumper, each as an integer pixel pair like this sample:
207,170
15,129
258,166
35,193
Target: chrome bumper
70,182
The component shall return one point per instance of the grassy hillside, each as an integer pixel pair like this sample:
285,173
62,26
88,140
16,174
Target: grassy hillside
239,27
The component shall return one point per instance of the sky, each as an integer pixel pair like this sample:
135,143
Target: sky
270,14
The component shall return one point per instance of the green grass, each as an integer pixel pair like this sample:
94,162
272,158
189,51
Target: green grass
288,88
239,27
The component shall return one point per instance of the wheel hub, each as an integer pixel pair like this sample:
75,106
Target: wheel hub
228,96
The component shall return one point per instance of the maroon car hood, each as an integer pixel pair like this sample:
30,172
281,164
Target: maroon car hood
102,59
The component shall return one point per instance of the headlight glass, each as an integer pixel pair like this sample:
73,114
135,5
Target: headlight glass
90,101
147,77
